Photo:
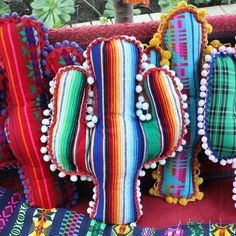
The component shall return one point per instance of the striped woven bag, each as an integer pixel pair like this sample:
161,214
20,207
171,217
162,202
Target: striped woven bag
108,119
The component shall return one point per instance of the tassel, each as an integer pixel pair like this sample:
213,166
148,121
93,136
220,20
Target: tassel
146,2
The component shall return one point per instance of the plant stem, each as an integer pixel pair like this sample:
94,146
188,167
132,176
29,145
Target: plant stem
95,9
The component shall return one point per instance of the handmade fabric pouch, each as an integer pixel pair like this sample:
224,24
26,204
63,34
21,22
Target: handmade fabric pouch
182,32
22,41
108,119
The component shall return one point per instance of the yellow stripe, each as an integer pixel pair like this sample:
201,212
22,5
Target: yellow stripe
18,109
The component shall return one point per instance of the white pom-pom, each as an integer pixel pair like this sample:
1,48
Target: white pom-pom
52,83
50,105
85,54
90,109
229,50
187,121
43,138
162,162
204,73
223,162
208,58
181,86
203,88
138,89
200,118
172,73
145,106
139,112
141,99
145,65
184,97
73,178
83,178
45,122
61,174
186,115
138,182
229,161
88,117
166,67
180,148
89,210
234,197
211,158
91,204
201,103
140,205
46,112
91,93
204,145
44,129
234,190
139,194
144,57
234,165
133,224
234,184
94,189
205,66
43,150
200,110
148,116
213,51
90,80
85,65
142,173
203,82
222,48
90,124
153,165
51,90
46,158
215,160
200,125
204,139
139,77
139,105
203,94
208,152
183,142
185,105
94,196
53,167
142,117
147,166
95,119
173,154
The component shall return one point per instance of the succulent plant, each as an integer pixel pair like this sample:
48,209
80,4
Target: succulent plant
54,13
4,8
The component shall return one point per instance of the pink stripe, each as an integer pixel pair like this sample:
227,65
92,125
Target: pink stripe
27,120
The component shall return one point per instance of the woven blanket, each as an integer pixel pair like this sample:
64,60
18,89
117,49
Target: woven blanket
17,218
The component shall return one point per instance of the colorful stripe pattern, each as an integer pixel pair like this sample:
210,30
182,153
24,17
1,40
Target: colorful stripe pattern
220,110
21,42
65,222
154,56
114,151
182,36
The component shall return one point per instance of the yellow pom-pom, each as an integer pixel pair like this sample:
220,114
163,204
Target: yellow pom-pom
182,4
152,191
154,175
208,28
208,49
163,17
216,43
202,13
164,62
154,42
175,200
200,181
199,196
169,199
166,55
183,201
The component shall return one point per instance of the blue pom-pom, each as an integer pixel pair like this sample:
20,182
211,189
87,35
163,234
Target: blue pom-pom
50,48
43,62
74,44
5,15
2,95
4,112
66,43
14,14
46,42
45,30
25,16
47,73
32,17
57,44
45,53
3,105
74,202
46,36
